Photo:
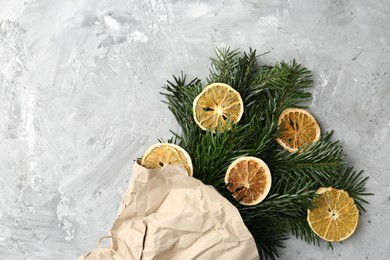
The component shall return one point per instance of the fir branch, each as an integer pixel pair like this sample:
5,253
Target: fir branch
244,74
354,183
223,65
179,97
290,201
321,162
289,83
300,229
266,91
269,234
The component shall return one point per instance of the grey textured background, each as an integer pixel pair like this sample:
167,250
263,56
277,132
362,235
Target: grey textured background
79,84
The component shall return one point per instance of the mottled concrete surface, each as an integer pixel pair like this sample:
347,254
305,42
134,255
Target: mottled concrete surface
79,84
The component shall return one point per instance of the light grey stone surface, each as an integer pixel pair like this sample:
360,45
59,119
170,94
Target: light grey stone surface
79,84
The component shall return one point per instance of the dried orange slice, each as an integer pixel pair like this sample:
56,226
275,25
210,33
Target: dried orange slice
159,155
334,216
215,104
249,180
299,129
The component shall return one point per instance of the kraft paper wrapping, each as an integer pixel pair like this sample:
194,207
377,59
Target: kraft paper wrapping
166,214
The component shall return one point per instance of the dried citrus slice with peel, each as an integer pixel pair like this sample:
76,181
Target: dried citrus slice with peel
334,215
249,180
159,155
299,129
215,105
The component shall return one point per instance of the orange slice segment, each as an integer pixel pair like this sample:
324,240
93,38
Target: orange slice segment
299,129
159,155
217,103
334,216
249,180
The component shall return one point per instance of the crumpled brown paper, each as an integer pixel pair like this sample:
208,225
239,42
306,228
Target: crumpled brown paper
166,214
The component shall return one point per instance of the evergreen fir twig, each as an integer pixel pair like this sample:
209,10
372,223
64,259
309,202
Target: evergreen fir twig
266,92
